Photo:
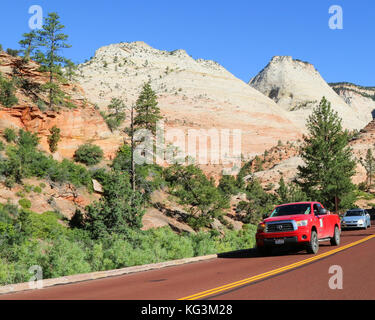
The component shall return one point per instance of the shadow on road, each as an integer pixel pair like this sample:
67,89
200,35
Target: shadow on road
245,253
253,253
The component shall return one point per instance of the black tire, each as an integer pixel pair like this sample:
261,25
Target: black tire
313,246
335,240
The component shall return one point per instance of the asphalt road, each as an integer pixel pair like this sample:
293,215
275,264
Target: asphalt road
242,276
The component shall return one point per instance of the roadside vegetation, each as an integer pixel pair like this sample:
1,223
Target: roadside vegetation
28,239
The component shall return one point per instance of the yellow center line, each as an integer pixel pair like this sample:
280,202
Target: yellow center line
272,272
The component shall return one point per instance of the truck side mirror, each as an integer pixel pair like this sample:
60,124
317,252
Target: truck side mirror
265,216
322,211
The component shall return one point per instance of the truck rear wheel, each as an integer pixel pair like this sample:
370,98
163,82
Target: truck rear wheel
335,240
313,245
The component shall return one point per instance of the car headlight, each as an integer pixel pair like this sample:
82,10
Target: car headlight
302,223
261,227
360,221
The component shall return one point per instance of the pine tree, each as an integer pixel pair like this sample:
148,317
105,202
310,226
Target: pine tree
258,164
369,164
290,192
148,113
259,202
54,138
282,191
116,114
326,175
52,40
198,193
117,107
70,68
29,44
118,210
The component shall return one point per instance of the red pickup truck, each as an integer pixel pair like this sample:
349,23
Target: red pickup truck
302,223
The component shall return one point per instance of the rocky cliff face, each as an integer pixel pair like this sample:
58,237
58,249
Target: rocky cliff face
360,99
298,87
78,125
364,141
197,94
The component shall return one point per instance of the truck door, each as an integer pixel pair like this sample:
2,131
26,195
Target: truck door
322,227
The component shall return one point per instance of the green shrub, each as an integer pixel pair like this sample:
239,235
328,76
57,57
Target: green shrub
88,154
27,188
20,194
7,93
10,208
41,105
24,160
203,244
21,257
228,185
10,182
6,272
362,186
69,171
41,226
10,135
70,105
170,245
2,146
37,189
7,212
27,140
66,258
25,203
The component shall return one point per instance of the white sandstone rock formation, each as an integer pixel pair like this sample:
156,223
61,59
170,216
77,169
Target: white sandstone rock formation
199,94
298,87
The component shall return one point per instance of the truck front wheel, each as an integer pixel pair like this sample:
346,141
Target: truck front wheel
313,245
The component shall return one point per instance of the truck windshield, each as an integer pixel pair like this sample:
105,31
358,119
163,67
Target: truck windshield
292,209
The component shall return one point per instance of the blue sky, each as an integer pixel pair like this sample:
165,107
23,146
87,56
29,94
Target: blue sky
242,35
